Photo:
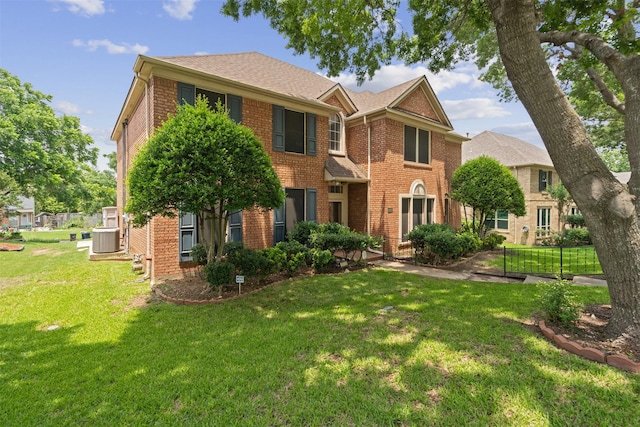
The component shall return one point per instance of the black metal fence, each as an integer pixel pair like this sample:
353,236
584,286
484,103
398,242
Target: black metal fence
551,261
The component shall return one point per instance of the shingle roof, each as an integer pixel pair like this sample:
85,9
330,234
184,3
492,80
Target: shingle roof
344,169
508,150
256,69
623,177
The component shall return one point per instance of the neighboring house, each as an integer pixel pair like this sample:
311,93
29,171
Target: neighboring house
534,170
379,163
21,218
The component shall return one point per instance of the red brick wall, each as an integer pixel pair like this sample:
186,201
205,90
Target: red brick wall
417,102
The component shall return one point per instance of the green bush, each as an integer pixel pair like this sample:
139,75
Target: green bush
293,247
435,243
469,242
248,261
335,237
578,236
219,274
276,261
230,248
322,258
558,302
295,263
301,233
492,240
199,254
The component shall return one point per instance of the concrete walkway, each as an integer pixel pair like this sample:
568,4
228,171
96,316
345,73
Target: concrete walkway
439,273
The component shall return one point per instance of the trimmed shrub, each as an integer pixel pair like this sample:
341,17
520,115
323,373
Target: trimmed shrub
276,261
492,241
249,262
301,233
295,263
230,248
322,258
293,247
558,302
199,254
335,237
578,236
219,274
469,242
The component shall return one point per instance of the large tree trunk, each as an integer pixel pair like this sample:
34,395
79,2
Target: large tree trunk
609,209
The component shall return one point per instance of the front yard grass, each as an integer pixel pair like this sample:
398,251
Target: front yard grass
547,260
372,348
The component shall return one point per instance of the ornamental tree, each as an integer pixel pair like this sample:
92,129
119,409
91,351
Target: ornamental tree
520,44
485,186
201,161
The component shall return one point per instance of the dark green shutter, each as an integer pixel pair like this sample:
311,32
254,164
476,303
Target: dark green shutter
423,146
187,235
186,93
278,128
541,180
279,224
235,108
312,204
549,180
311,134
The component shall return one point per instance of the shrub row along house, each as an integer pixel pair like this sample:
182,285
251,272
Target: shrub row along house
379,163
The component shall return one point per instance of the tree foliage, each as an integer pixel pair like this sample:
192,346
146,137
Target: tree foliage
486,186
201,161
39,150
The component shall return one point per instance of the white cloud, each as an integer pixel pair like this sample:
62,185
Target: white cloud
180,9
66,108
112,48
474,108
85,7
392,75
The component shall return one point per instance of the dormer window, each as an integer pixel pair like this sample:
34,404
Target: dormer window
336,143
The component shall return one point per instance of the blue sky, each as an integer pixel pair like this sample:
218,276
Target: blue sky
81,52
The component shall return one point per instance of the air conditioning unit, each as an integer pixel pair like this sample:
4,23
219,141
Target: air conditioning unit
106,240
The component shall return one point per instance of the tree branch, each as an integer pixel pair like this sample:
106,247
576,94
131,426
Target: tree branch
607,94
602,50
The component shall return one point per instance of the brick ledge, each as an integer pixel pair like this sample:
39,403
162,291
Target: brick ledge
615,360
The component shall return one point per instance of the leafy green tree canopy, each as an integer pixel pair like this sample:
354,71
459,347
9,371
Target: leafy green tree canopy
201,161
39,150
485,185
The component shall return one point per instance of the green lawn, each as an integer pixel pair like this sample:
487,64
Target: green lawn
368,348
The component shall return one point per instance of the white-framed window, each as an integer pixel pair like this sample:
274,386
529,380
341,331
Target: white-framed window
417,145
416,208
336,134
545,179
543,221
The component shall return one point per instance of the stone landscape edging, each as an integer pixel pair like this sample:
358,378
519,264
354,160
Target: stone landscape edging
615,360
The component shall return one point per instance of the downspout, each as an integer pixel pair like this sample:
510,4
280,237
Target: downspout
146,129
125,127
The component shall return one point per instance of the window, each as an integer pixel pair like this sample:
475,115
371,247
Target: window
188,93
499,220
544,180
294,132
416,145
299,205
335,133
234,234
187,235
416,210
543,222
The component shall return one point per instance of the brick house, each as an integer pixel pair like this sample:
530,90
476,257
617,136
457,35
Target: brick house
379,163
533,168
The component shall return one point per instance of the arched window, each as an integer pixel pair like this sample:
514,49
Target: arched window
416,208
335,133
